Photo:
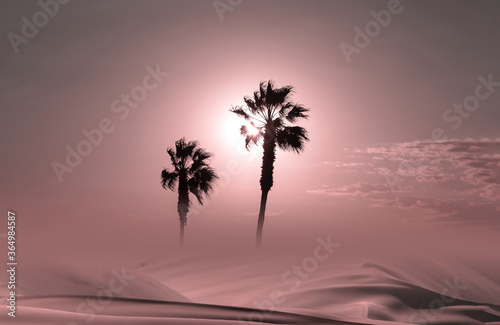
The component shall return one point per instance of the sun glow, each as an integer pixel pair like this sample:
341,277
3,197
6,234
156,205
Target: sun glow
252,130
232,126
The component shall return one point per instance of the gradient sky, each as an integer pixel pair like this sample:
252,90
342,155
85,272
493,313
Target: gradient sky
370,118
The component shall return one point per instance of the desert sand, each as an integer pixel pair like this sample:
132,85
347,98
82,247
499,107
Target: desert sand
253,288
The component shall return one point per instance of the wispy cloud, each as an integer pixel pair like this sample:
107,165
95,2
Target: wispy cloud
353,190
447,209
458,179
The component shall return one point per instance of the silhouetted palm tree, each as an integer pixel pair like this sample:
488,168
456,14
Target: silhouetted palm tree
269,112
193,174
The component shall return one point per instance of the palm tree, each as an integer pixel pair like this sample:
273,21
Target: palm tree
269,112
193,174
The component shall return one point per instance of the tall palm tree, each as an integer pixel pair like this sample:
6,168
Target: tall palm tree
269,112
193,174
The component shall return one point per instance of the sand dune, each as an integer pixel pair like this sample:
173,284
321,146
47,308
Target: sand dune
121,310
377,297
359,294
41,278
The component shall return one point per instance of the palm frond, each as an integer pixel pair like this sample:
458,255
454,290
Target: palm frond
292,138
194,188
202,182
200,157
244,130
238,110
207,177
285,108
251,104
277,123
253,139
262,91
184,149
248,142
189,149
297,112
173,157
179,147
168,179
258,99
275,97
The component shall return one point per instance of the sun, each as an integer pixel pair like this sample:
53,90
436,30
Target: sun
252,130
231,130
233,125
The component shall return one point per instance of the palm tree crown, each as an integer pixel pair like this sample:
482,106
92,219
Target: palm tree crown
191,172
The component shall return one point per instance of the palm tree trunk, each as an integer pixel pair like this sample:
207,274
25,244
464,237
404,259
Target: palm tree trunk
262,214
183,205
266,179
181,239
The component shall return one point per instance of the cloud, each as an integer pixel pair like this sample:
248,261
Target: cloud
357,189
447,210
432,174
455,180
431,205
491,192
465,163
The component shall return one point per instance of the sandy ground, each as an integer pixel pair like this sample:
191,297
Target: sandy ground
317,288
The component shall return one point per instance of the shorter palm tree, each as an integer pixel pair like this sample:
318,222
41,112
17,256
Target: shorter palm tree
192,173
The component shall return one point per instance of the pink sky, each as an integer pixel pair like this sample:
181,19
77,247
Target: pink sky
368,118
